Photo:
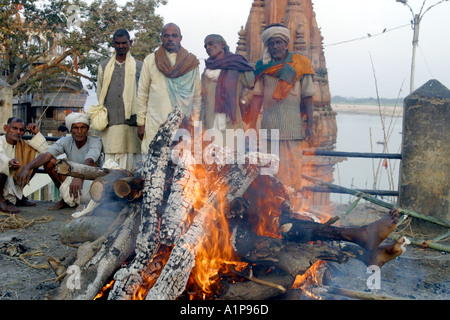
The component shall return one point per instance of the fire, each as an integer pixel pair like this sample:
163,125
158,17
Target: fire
268,225
312,277
216,252
152,273
104,289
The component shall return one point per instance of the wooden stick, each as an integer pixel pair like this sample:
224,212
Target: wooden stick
253,279
380,202
362,295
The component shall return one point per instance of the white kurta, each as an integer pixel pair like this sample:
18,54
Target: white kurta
153,101
8,152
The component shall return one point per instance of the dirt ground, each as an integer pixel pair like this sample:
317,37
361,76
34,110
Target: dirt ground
421,274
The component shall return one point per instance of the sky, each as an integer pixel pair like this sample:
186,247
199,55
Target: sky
358,65
367,67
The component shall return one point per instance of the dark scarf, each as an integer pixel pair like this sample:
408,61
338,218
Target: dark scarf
185,62
226,91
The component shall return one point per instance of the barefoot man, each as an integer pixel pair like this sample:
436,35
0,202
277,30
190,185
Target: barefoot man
78,148
14,154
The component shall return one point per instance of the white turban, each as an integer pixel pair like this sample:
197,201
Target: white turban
76,117
276,31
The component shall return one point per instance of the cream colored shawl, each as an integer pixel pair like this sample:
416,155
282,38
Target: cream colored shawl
129,90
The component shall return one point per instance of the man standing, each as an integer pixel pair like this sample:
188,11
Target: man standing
14,154
78,148
284,81
226,77
116,90
169,78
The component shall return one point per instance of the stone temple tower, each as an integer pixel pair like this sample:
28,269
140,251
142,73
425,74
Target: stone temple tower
299,17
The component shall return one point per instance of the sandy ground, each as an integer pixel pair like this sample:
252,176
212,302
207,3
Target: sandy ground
367,109
419,273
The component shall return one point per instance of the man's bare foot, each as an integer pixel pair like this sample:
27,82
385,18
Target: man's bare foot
8,207
387,253
24,202
59,205
371,235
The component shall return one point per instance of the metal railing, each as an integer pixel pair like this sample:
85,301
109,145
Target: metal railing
329,153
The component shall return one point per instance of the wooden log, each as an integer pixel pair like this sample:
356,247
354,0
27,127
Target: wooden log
129,188
153,171
97,261
181,200
78,170
102,188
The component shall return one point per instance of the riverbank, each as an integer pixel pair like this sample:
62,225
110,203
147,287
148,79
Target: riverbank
368,109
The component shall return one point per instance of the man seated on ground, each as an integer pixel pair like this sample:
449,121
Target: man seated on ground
78,148
14,154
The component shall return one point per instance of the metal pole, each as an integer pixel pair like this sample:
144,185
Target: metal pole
416,25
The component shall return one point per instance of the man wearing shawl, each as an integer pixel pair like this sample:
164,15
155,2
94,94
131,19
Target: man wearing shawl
79,148
284,81
224,82
116,91
14,154
169,78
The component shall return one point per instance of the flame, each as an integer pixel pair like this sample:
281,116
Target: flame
104,289
216,253
312,277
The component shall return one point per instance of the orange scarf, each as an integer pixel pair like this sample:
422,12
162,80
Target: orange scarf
288,71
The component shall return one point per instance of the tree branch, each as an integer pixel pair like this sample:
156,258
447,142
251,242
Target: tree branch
52,64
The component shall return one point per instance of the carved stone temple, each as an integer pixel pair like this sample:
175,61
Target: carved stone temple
299,17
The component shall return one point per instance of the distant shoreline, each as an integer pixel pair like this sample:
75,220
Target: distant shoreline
368,109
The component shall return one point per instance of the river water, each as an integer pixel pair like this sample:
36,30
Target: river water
358,132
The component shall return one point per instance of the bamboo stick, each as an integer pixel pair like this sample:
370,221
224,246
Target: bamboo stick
330,153
380,202
362,295
426,243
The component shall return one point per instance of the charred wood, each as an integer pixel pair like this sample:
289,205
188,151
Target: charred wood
153,171
97,261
